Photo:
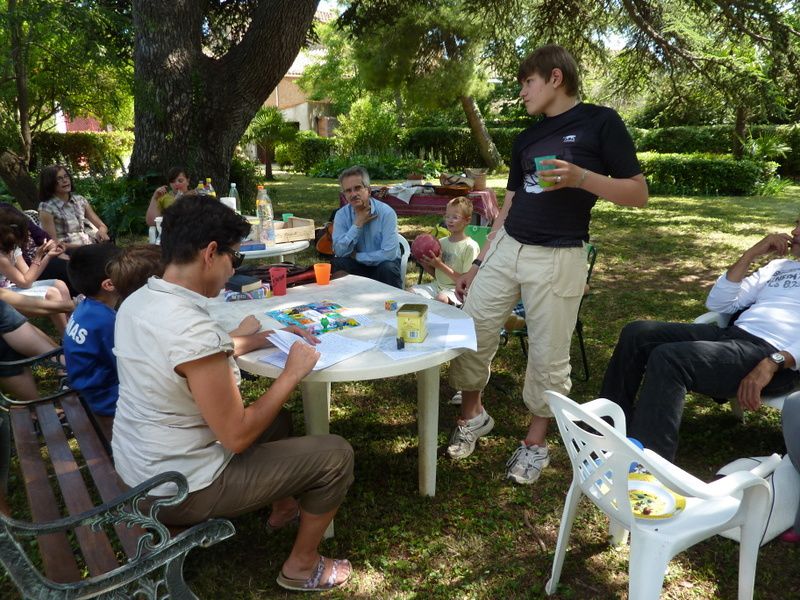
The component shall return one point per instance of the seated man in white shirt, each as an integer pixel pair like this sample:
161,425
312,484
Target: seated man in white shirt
758,352
365,232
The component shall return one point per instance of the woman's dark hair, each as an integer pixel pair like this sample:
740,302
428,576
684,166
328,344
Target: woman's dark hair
193,222
176,172
48,180
13,229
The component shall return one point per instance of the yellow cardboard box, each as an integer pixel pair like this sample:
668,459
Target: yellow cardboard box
412,322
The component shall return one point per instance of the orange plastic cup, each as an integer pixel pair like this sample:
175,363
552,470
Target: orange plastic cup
322,272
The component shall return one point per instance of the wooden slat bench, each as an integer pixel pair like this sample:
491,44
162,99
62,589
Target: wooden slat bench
105,541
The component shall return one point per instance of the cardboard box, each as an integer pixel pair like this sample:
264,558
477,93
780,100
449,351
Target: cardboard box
412,322
293,230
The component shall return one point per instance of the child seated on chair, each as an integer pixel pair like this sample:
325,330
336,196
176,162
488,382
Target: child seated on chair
89,339
455,259
106,275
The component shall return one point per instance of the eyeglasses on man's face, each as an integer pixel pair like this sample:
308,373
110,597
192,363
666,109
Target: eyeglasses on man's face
356,189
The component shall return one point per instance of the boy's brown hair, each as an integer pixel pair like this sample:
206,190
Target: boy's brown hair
132,267
547,58
463,204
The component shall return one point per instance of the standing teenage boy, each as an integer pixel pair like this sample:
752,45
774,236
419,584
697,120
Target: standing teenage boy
537,247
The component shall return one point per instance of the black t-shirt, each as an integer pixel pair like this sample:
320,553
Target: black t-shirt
590,136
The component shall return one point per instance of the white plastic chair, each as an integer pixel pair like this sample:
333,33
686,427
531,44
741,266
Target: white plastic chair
601,460
405,252
776,401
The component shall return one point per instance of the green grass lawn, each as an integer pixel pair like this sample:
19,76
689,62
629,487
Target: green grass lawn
482,537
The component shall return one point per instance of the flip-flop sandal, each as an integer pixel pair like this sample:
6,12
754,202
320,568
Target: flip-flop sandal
271,528
313,583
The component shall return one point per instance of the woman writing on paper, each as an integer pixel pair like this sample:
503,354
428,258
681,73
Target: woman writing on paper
179,391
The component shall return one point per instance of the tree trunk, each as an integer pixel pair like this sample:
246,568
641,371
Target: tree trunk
481,135
269,157
20,63
191,109
14,167
740,131
14,173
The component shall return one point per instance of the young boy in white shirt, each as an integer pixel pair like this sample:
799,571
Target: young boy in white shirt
458,252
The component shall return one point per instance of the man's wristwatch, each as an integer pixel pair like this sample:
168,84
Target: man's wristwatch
778,358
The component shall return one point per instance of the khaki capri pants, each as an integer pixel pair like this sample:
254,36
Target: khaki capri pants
317,469
550,283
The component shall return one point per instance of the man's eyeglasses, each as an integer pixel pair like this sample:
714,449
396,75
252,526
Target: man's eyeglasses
237,258
353,190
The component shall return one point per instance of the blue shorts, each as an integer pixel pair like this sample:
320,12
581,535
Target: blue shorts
10,320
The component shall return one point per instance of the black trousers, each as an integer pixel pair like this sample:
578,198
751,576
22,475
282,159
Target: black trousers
387,272
673,359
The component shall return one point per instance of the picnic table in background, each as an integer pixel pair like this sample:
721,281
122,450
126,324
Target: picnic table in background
484,203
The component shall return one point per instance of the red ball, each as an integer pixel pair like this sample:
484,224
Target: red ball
425,245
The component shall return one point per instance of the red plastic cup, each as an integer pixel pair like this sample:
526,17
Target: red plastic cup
277,278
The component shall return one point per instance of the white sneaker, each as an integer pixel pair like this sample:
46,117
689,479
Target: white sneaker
526,464
456,399
466,434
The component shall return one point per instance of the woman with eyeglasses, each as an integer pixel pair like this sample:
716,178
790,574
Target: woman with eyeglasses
63,213
180,408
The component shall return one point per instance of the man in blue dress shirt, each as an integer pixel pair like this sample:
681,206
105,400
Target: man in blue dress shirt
365,238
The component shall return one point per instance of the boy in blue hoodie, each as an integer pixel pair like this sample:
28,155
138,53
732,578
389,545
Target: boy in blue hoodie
89,336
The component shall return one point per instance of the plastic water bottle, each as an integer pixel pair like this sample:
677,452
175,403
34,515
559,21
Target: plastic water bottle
264,213
210,188
234,193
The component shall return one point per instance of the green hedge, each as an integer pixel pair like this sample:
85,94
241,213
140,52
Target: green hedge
245,174
306,150
455,147
704,174
379,166
716,139
282,155
98,154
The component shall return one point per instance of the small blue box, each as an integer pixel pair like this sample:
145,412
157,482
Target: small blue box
250,247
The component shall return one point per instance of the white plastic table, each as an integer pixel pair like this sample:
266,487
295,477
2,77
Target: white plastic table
279,250
355,292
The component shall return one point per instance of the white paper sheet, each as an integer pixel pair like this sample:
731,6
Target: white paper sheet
333,348
443,334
